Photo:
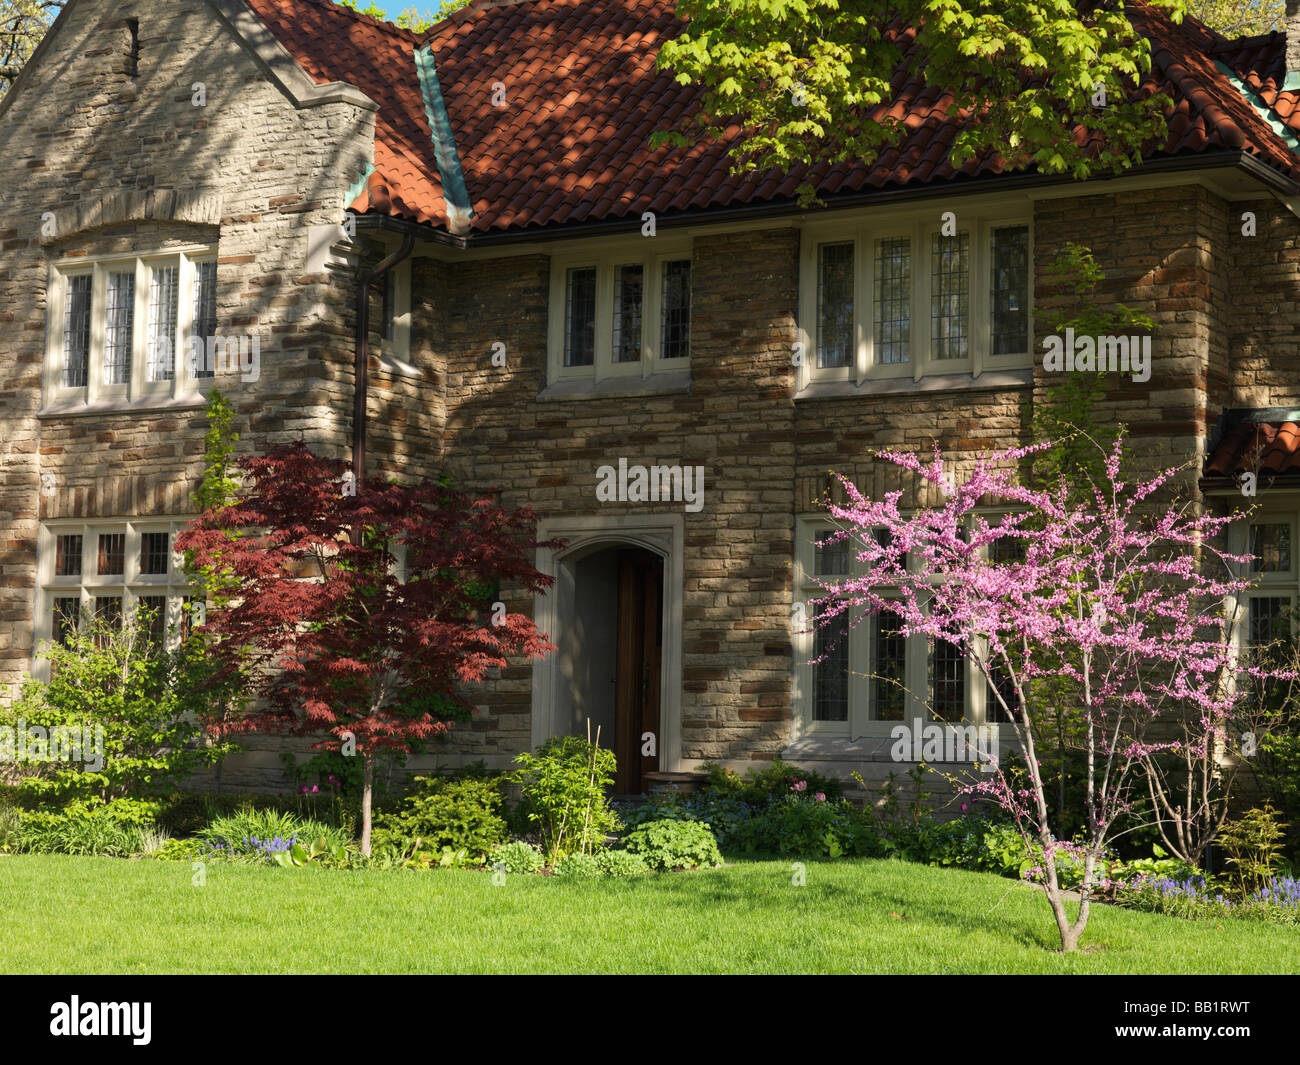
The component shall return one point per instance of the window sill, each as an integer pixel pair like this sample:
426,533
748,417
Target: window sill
391,364
582,388
954,382
841,752
143,405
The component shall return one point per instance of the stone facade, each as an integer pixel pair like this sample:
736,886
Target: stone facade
105,135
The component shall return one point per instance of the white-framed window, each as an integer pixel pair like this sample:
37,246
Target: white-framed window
1267,607
119,326
904,297
621,312
110,570
395,318
872,678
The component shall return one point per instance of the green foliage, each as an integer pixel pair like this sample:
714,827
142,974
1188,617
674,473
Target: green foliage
1195,900
674,845
22,25
724,813
1277,769
1159,865
113,830
185,813
144,698
1253,843
462,814
564,788
320,850
619,863
413,19
1067,415
810,82
973,843
1240,18
806,828
258,835
578,866
516,857
181,850
771,783
11,828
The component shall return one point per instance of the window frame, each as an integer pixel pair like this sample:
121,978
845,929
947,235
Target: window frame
606,262
1266,584
918,227
97,391
395,351
130,586
916,659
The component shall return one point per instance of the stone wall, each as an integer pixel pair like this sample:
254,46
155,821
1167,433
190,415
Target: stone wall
104,134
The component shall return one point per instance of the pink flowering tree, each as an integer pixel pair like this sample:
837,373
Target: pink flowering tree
1124,603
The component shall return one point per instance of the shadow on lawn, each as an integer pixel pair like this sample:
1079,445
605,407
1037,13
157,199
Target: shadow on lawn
768,895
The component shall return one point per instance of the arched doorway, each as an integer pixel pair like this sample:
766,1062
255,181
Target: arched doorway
611,654
580,614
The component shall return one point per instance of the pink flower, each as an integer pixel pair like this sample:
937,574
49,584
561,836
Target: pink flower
315,788
820,796
799,785
302,790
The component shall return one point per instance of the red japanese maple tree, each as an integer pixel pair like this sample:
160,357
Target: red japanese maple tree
359,614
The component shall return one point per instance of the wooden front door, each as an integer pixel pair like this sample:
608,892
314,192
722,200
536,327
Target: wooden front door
640,647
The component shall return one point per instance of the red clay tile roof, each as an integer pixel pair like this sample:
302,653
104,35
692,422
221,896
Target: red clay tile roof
1257,447
583,98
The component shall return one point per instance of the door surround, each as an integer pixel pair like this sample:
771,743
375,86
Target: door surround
662,534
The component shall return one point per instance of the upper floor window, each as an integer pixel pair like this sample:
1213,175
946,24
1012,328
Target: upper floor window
395,320
120,326
928,296
623,313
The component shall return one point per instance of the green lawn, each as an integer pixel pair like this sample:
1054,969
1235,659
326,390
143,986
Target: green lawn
102,915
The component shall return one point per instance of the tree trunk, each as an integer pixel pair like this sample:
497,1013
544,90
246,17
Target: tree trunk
367,793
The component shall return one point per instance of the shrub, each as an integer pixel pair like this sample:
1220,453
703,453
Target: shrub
771,783
181,850
516,857
459,814
973,843
1278,773
11,828
811,828
142,696
621,864
564,790
726,815
577,865
102,830
675,845
255,834
1254,846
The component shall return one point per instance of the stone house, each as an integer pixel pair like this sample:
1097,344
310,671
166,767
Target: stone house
553,310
